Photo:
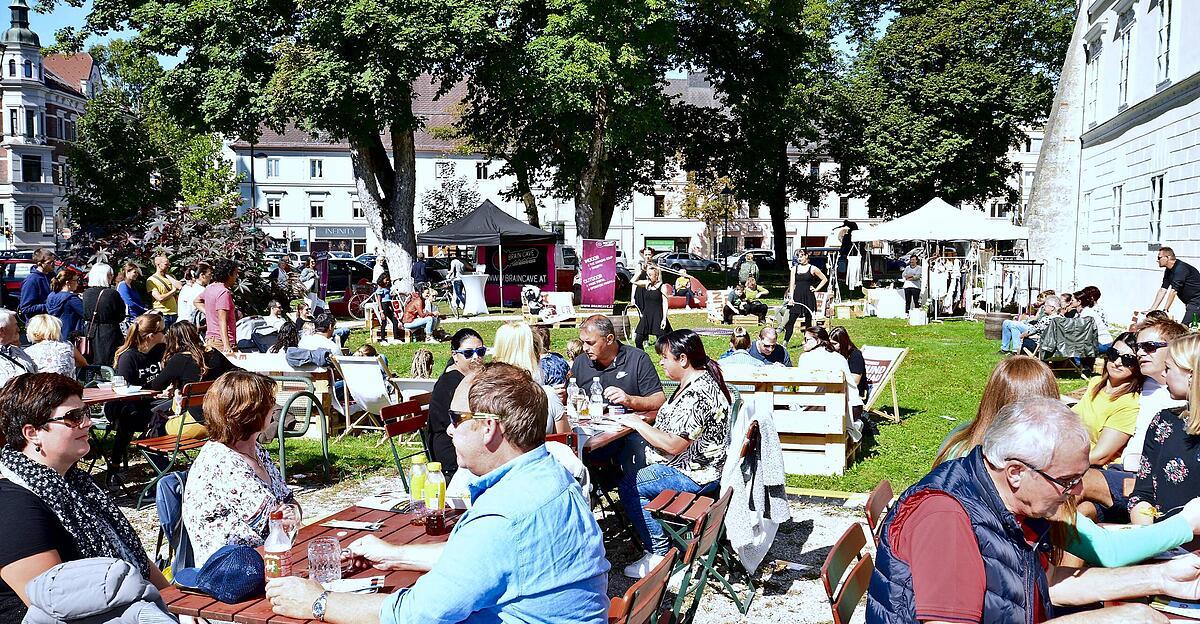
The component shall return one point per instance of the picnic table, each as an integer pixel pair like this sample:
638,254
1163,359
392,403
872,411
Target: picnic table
94,396
397,529
604,438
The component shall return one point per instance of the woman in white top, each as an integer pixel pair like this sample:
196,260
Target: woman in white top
514,345
820,354
48,351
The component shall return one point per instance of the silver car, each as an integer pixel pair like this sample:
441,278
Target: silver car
684,260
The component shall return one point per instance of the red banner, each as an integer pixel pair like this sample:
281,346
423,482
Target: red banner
598,273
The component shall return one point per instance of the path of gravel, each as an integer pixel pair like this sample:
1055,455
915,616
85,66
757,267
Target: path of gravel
783,597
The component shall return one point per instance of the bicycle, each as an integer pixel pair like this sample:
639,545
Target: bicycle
445,292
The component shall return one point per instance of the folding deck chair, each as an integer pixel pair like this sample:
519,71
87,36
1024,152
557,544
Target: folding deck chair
366,390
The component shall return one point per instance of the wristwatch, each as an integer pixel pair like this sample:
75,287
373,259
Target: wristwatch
318,608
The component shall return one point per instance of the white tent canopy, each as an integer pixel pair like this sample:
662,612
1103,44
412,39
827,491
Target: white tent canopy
939,221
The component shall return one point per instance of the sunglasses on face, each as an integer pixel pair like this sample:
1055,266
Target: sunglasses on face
470,353
1066,486
457,418
1150,346
1128,360
75,419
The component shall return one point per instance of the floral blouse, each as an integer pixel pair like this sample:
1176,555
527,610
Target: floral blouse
1169,475
699,412
53,356
225,502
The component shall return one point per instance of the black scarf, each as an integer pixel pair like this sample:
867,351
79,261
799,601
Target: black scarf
81,507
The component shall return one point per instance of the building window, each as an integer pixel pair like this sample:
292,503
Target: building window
1125,40
316,168
12,122
481,172
274,205
1163,56
272,167
34,220
843,207
1035,144
29,69
999,210
753,209
814,210
443,169
61,127
316,208
814,169
30,122
660,205
31,168
356,209
1118,197
56,173
1156,206
12,67
1085,224
70,129
1092,91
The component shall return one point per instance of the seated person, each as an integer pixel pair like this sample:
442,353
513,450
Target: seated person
1152,340
1109,410
1170,467
735,302
322,336
186,360
528,549
930,563
233,486
466,355
627,375
840,337
288,336
683,450
1011,329
683,287
276,315
13,359
139,361
1050,310
55,511
753,305
48,350
739,350
554,367
821,354
415,316
767,349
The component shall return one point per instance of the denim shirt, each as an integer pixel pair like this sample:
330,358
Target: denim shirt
528,550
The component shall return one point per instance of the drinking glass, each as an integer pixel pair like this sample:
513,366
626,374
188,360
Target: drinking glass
324,559
118,381
292,519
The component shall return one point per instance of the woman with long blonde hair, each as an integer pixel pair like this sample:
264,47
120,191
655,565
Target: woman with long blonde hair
515,345
138,361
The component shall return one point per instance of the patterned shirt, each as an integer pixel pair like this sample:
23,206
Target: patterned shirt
53,356
699,412
227,503
1170,470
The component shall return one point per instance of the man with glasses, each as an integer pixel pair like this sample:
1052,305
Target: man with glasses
1152,352
626,374
767,350
1182,280
528,549
966,543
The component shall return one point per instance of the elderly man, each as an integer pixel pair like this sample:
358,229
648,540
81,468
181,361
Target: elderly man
13,360
1179,279
767,350
627,374
36,287
965,544
528,549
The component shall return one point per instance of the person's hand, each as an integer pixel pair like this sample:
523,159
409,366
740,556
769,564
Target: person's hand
1142,513
377,552
629,420
663,324
616,395
293,596
1180,578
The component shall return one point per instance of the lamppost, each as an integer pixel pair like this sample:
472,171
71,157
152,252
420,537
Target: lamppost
253,187
726,199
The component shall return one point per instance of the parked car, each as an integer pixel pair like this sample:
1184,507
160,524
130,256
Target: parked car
367,259
685,260
341,254
14,268
761,256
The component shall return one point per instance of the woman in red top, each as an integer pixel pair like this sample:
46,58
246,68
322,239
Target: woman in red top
416,317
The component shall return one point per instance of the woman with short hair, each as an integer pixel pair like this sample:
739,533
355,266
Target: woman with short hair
103,311
233,486
48,350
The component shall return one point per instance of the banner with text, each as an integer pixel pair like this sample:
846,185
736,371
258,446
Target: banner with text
598,272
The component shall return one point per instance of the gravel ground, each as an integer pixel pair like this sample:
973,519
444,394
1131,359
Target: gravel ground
782,597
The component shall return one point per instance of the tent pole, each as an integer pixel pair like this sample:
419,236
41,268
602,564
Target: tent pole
500,265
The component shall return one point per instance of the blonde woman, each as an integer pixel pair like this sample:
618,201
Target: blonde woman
49,351
515,345
1169,475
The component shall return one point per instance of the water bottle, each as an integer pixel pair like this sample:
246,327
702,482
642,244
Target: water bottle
277,558
572,399
596,401
416,482
435,487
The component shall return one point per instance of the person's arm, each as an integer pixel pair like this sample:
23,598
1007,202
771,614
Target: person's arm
1111,549
169,373
666,305
224,322
1178,578
80,361
18,573
1128,613
1108,446
1142,500
198,301
32,301
636,403
659,439
821,276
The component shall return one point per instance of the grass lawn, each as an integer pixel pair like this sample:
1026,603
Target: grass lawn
939,385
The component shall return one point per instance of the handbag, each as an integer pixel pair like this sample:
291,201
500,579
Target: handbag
84,342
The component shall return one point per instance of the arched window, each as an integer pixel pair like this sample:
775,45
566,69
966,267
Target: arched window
12,67
29,69
34,219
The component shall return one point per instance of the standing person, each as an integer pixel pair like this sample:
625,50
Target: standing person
748,270
387,312
379,268
47,349
311,280
139,361
417,317
36,287
466,355
419,272
280,278
1180,279
217,302
13,359
645,261
103,311
128,290
65,304
653,306
912,275
195,280
805,280
164,290
455,276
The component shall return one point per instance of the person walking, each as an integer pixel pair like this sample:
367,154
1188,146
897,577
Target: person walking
311,281
36,287
103,310
455,277
912,283
420,273
1180,279
129,294
164,290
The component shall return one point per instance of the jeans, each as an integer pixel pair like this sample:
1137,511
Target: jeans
637,489
169,320
1010,335
912,298
428,323
460,297
388,314
687,293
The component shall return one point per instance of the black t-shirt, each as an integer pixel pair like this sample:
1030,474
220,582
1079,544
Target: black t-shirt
181,370
1185,280
140,369
631,371
441,446
858,366
29,528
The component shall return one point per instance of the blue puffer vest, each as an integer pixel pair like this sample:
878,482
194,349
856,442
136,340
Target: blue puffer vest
1011,565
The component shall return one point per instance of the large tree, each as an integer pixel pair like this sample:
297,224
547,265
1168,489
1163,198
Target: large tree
343,70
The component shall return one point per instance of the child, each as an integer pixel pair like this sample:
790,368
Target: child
422,364
574,348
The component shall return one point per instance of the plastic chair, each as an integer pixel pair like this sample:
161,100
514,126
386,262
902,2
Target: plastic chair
366,390
403,419
846,590
878,504
640,603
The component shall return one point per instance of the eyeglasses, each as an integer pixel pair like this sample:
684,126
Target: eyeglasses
75,419
458,417
470,353
1150,346
1128,360
1066,486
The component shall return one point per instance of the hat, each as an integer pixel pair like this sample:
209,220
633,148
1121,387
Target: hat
232,574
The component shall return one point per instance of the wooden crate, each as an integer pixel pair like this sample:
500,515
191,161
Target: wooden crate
811,410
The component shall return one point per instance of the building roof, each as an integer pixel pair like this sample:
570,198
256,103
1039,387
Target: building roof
71,70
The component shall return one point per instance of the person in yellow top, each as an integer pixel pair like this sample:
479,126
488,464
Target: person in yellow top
683,286
164,290
754,292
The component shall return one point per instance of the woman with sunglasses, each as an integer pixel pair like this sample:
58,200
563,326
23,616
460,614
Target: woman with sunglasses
466,354
51,510
1109,408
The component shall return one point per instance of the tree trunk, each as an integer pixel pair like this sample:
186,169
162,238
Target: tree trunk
778,202
526,191
589,190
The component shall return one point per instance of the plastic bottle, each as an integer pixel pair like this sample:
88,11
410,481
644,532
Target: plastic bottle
277,558
435,487
416,479
596,400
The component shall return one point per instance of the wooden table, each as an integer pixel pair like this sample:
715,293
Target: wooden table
397,529
93,396
601,440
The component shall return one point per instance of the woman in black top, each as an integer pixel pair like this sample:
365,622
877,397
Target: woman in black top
466,353
50,510
854,357
651,301
139,361
103,311
186,360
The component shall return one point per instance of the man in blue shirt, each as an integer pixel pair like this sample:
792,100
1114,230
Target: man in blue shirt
36,288
767,350
419,274
528,549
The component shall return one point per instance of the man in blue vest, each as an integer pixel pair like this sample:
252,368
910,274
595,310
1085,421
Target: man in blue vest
971,541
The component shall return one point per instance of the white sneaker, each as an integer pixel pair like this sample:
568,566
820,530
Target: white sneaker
642,567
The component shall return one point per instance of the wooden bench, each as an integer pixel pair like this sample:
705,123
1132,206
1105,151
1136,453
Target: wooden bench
716,311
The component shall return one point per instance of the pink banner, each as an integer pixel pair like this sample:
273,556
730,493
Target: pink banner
598,272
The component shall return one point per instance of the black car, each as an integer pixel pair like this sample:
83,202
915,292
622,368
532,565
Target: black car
343,272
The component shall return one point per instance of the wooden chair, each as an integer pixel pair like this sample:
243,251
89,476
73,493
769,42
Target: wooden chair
640,604
366,390
164,453
405,419
843,589
878,504
571,439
